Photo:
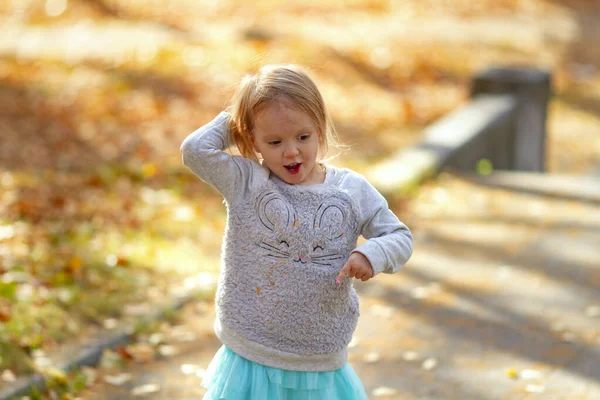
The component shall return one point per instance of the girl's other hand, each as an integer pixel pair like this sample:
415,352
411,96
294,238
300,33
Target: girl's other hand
357,266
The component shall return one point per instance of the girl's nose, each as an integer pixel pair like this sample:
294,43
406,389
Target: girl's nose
290,151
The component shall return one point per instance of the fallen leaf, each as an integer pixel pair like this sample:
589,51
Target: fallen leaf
145,389
8,376
384,391
142,352
74,265
535,389
5,316
156,338
429,364
55,374
420,292
180,334
43,363
95,181
512,373
167,350
149,170
117,380
372,357
110,323
592,311
410,356
124,353
383,311
190,369
530,374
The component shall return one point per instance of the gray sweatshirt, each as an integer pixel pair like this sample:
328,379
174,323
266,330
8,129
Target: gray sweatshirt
277,301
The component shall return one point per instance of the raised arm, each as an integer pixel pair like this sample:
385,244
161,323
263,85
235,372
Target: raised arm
203,152
389,242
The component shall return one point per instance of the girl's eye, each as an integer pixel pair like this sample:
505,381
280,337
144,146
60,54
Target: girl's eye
304,137
274,142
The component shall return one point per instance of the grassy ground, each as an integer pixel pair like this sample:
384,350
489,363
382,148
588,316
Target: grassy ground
97,216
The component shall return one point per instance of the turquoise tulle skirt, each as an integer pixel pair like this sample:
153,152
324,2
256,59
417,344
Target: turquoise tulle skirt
232,377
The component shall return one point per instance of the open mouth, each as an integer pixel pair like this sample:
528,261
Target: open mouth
293,168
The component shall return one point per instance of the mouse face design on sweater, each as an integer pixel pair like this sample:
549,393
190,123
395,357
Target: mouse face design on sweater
319,237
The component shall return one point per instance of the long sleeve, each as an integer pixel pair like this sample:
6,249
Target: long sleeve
389,242
203,152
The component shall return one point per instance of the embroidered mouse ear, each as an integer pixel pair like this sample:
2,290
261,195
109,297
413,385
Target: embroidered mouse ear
274,211
334,217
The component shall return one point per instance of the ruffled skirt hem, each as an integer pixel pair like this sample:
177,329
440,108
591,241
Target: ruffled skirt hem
232,377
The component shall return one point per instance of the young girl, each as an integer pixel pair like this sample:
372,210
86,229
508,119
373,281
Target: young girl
285,306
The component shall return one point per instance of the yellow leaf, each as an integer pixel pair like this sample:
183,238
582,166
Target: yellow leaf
74,264
512,373
148,170
55,374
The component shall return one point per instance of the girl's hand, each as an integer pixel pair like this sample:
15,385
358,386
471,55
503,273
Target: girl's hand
357,266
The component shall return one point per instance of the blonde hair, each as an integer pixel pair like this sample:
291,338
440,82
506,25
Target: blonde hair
272,83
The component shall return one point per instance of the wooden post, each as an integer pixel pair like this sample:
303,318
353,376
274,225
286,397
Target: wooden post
532,90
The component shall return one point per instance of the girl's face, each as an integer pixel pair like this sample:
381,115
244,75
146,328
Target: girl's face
288,141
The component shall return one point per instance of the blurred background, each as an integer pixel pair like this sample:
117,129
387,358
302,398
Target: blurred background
96,208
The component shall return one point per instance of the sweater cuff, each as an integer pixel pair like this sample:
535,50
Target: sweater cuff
374,253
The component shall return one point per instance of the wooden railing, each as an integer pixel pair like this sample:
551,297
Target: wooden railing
504,123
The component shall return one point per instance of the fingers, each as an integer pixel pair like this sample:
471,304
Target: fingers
364,275
342,274
352,271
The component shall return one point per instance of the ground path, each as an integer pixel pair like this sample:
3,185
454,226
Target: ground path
500,301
